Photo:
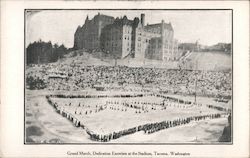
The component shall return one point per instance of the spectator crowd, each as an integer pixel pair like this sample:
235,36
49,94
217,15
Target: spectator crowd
73,77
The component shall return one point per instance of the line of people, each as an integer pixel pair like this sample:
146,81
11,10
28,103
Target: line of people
61,111
166,101
218,108
100,96
152,127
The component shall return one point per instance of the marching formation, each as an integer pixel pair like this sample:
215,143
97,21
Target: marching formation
124,105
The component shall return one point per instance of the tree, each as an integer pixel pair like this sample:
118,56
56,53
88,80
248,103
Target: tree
44,52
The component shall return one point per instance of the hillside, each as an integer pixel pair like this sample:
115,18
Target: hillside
208,61
82,58
204,61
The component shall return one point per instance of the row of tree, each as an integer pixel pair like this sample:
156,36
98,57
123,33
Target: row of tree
40,52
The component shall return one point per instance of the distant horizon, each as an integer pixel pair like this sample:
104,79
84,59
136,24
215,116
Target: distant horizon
209,27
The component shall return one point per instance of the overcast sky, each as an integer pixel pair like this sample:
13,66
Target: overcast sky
58,26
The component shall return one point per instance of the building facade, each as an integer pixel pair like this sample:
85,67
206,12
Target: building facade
162,45
88,35
122,37
118,38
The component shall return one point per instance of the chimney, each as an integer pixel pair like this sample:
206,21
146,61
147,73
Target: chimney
162,28
143,19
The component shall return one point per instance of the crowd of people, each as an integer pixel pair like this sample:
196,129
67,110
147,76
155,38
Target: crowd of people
35,82
144,81
74,77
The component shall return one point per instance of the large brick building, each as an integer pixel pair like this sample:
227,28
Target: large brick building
122,37
88,35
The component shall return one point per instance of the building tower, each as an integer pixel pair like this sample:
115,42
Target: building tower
143,20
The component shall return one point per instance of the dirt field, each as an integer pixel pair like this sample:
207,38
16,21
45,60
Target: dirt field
45,125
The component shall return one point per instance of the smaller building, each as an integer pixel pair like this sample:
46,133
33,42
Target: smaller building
191,47
162,45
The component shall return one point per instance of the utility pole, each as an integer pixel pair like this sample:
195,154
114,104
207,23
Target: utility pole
38,61
114,57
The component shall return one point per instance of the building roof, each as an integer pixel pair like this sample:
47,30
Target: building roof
103,16
123,21
126,21
167,26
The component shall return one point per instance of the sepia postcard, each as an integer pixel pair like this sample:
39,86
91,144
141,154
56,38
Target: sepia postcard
84,79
